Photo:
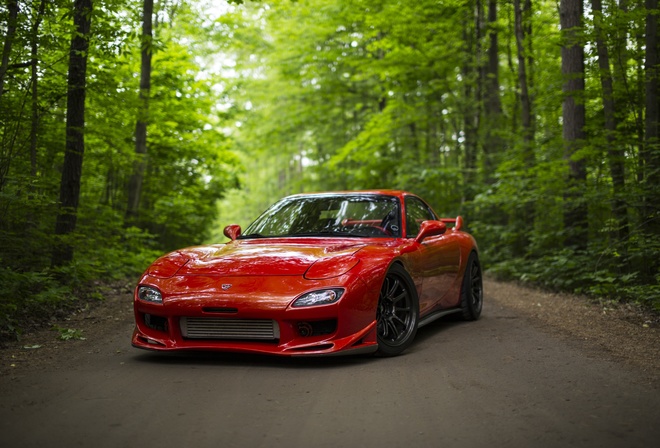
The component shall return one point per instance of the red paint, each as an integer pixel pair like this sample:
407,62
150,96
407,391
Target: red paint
260,278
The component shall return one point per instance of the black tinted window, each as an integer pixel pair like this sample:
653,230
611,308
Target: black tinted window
416,213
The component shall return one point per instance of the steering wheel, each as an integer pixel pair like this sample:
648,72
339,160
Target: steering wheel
386,223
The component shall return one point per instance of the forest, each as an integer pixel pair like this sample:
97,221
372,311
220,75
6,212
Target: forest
130,128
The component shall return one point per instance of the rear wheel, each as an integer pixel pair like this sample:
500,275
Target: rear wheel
398,312
472,291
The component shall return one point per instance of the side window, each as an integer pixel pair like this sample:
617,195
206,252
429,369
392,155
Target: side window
416,212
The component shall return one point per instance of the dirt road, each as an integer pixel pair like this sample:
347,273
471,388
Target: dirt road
506,380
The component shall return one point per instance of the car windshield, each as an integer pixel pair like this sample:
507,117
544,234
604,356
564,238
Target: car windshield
329,215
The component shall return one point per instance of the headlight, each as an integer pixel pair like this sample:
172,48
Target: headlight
322,297
149,294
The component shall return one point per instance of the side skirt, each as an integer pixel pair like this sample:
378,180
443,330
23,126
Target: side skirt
437,315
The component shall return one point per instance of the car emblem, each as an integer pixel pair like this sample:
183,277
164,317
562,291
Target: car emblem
226,286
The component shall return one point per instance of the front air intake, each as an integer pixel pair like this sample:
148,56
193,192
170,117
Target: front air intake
234,329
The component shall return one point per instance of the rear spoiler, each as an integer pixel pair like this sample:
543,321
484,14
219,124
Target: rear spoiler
457,222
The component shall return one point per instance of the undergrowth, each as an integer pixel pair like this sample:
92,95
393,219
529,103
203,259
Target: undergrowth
582,273
30,298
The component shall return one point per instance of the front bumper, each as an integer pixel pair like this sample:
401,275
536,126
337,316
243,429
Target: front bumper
345,327
361,342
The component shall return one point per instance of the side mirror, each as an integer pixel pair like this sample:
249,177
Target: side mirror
430,228
232,232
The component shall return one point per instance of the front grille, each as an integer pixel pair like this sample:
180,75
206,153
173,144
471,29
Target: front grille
222,328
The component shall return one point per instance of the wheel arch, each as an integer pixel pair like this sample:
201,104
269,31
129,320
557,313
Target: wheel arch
397,313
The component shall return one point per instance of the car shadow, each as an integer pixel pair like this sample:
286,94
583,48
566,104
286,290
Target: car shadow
207,358
436,327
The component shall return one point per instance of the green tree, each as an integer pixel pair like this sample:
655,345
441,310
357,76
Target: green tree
191,161
488,110
574,121
135,183
75,131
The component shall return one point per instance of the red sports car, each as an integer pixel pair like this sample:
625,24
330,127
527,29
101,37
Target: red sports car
315,274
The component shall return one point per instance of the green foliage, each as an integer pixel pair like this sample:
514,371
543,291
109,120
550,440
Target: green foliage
332,94
104,254
26,293
566,270
190,160
251,101
67,334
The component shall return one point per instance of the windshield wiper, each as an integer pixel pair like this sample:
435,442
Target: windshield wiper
327,233
251,235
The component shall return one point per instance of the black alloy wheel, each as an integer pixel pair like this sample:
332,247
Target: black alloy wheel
472,291
398,312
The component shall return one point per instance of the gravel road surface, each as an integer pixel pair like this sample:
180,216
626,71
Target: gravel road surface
521,376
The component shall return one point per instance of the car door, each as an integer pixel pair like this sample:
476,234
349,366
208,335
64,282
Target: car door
438,258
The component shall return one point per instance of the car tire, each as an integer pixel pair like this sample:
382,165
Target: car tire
397,315
472,290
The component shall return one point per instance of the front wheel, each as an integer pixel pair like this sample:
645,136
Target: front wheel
398,312
472,291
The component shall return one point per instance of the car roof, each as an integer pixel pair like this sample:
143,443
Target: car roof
384,192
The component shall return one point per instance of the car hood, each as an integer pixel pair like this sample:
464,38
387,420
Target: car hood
243,257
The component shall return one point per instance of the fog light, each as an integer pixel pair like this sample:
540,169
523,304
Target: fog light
156,322
305,329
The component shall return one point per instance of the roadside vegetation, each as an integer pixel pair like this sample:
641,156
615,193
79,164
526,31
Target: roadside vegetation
129,128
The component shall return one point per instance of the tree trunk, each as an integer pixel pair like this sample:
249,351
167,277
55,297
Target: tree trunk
615,153
493,116
527,27
523,218
630,98
512,72
526,117
651,155
34,64
75,126
574,120
12,17
136,180
471,80
12,8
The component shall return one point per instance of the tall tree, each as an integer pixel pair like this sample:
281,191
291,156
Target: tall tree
75,131
574,120
526,114
493,115
12,8
135,183
7,148
651,155
34,82
614,149
472,79
523,216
